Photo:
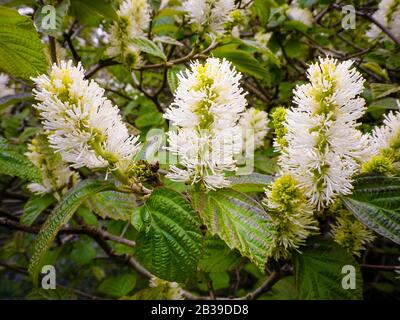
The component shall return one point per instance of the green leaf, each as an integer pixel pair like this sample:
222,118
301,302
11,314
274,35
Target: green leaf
262,8
296,49
118,286
295,25
219,280
87,215
53,294
255,182
85,8
318,272
377,69
380,90
218,257
238,220
168,40
172,78
265,163
14,164
83,252
262,49
148,46
34,207
378,107
21,51
284,289
113,204
149,119
243,61
170,246
59,217
376,203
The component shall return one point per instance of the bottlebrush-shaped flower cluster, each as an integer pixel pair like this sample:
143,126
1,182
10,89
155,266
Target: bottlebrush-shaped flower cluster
320,147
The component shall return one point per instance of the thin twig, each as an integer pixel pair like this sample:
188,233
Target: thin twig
53,50
379,267
83,229
100,65
266,286
255,91
374,21
75,54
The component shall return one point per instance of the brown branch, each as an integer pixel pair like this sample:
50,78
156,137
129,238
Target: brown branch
124,258
323,12
53,50
75,54
374,21
83,229
121,94
100,236
171,63
379,267
266,286
255,91
100,65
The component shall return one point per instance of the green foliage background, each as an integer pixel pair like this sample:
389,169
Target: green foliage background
104,243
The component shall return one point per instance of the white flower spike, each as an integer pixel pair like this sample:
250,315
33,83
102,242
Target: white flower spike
209,13
133,20
83,125
324,147
207,107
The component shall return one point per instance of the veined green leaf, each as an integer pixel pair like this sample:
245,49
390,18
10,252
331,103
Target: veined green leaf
149,119
83,252
243,61
218,257
261,8
262,49
94,7
380,90
172,78
375,201
21,51
377,69
318,272
255,182
14,164
378,107
54,294
34,207
170,245
113,204
118,286
284,289
59,217
238,220
148,46
168,40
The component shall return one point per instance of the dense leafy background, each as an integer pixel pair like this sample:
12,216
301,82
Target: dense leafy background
93,253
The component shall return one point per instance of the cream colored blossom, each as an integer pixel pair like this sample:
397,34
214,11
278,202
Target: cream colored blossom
83,125
207,107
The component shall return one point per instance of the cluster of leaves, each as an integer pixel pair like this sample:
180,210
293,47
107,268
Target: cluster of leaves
212,243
